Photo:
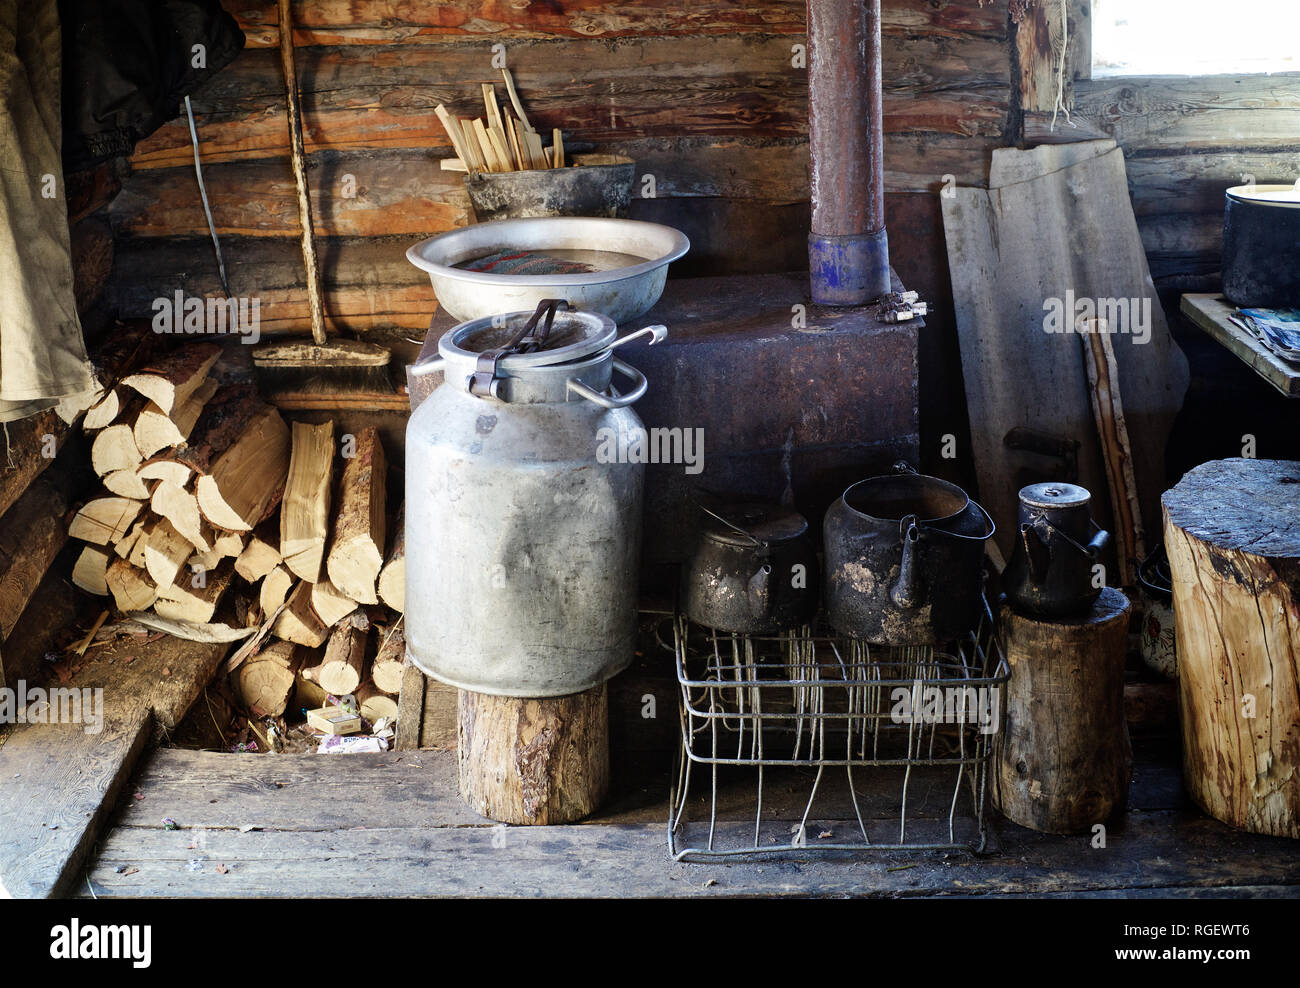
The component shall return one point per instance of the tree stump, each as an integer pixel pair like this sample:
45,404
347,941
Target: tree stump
1065,761
526,761
1232,531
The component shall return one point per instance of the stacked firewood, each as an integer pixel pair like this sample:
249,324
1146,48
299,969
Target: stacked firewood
209,496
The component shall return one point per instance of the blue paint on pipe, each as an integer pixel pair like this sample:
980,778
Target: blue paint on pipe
848,270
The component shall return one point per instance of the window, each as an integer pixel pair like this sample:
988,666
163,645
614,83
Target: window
1194,37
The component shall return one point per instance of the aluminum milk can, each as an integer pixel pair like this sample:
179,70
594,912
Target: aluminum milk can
523,525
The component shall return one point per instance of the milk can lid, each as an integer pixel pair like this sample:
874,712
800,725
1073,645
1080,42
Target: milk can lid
1054,495
573,336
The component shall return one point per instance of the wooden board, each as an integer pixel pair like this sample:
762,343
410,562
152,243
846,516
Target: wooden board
1211,313
60,783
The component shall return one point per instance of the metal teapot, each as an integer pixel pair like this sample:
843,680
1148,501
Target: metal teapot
754,570
1051,567
904,559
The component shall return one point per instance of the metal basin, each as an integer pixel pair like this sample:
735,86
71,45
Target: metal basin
621,292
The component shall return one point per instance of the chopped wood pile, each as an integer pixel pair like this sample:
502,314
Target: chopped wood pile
221,519
499,142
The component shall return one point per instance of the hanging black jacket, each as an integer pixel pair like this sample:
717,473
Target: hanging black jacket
127,64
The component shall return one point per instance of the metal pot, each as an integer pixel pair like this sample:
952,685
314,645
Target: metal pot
1051,567
1261,246
522,541
1157,640
904,560
595,185
754,570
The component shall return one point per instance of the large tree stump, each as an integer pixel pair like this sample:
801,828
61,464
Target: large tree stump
1232,531
534,761
1065,761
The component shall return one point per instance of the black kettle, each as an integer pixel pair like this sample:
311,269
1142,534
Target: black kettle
1051,567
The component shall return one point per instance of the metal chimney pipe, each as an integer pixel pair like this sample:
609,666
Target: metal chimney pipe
848,252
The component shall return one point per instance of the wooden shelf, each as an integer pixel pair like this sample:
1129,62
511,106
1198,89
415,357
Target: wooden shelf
1212,314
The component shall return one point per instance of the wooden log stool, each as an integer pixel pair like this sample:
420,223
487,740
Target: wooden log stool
1065,761
534,761
1232,531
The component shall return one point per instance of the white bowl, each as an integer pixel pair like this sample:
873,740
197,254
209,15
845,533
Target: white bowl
621,293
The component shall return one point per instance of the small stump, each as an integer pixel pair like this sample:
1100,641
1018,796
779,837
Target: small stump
534,761
1232,531
1065,761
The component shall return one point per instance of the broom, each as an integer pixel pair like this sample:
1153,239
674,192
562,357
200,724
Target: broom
319,364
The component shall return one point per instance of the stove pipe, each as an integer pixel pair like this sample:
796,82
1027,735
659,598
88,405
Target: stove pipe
848,252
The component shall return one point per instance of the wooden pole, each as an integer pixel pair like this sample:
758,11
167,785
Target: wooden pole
526,761
1233,540
1065,761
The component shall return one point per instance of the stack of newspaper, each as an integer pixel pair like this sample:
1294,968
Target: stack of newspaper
1277,329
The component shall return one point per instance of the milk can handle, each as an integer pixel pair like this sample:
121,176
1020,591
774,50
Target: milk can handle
605,401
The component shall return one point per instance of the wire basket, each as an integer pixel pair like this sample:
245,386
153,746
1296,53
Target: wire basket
776,713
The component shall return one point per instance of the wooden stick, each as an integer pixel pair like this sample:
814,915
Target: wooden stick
514,98
557,148
502,152
453,165
512,132
493,110
452,126
485,142
299,159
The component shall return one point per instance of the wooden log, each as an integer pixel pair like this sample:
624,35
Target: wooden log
155,429
330,605
247,479
376,705
131,587
114,448
88,573
177,375
411,710
32,533
181,508
305,510
392,578
274,589
194,599
261,553
165,553
174,473
1234,555
126,543
126,483
339,672
136,555
104,412
542,761
298,623
1065,760
266,681
389,665
104,520
356,553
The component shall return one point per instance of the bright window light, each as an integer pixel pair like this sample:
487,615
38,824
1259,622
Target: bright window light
1194,37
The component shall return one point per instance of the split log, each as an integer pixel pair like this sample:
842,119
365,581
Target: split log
542,761
130,586
1065,760
155,429
266,681
376,705
126,483
227,543
261,554
308,695
172,379
247,480
89,569
392,578
113,449
104,520
389,665
104,412
194,599
181,508
298,622
304,512
1230,528
339,672
136,556
32,534
330,605
357,552
177,474
274,590
126,543
165,553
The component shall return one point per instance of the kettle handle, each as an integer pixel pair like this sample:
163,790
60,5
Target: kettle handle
619,401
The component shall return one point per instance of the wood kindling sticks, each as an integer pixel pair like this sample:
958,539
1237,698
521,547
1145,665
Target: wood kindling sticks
499,142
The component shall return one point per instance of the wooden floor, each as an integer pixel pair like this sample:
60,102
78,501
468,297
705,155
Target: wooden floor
393,825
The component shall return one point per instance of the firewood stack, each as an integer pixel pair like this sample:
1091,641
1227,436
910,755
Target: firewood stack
208,491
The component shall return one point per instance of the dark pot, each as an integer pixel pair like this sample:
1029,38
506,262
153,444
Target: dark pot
595,185
1050,572
1261,246
905,560
754,570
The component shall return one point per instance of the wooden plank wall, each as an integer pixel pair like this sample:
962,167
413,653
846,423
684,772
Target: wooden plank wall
703,94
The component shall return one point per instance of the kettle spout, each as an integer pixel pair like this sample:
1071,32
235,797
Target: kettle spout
759,591
1036,552
904,593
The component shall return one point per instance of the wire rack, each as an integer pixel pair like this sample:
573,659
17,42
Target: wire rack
797,719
